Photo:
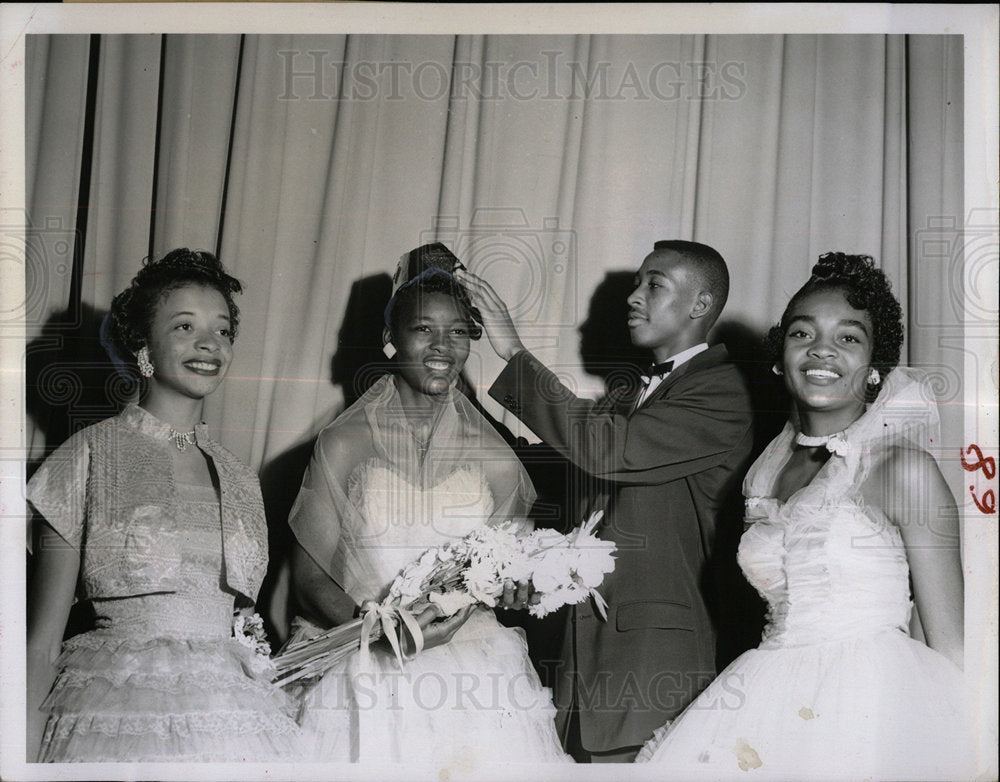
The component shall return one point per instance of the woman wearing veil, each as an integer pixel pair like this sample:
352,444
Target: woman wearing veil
411,465
848,520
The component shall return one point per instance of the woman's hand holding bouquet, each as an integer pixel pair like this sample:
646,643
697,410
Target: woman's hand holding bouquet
433,596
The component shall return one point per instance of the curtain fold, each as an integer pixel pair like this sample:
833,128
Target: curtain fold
199,86
124,157
549,164
936,222
56,83
57,69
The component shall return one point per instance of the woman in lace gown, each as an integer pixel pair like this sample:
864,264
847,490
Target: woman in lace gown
412,464
165,531
844,508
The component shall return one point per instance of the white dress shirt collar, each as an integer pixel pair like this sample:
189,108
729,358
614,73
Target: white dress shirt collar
678,359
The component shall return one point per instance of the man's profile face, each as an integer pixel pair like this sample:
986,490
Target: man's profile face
660,306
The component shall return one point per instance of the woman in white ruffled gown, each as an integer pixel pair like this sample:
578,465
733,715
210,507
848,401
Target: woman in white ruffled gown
844,507
412,464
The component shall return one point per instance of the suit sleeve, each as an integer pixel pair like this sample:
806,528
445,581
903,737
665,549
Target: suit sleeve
693,427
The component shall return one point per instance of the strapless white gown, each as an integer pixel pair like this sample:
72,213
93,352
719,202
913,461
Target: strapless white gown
837,689
472,702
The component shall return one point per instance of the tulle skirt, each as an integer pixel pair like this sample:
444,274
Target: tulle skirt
880,706
156,699
471,702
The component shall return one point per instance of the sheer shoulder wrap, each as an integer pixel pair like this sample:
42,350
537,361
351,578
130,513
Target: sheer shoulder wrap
903,415
328,517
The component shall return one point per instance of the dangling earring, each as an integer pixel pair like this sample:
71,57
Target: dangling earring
142,359
387,347
874,378
777,370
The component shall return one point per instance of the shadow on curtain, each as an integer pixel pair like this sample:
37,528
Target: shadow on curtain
549,164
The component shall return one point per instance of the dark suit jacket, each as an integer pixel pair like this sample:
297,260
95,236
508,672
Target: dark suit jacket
669,468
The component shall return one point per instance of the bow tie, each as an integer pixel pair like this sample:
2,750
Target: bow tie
657,370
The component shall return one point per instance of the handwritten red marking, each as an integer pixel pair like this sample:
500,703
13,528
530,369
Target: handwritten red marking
988,503
988,465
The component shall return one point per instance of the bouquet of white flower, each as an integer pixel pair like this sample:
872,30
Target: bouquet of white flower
562,570
248,630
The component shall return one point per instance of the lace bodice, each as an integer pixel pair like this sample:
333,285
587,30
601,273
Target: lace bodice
202,606
110,491
399,520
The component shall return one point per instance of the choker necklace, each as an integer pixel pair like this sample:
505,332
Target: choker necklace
181,439
812,442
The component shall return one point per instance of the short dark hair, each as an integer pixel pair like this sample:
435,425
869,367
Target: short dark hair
865,287
707,263
132,310
408,299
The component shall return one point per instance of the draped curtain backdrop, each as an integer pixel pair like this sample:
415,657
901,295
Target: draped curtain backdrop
549,164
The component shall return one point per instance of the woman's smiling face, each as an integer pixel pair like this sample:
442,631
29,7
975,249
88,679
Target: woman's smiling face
827,353
432,343
189,341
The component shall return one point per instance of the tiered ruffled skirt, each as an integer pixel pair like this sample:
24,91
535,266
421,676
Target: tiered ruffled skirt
157,699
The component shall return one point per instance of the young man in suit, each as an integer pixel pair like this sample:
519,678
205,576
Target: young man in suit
669,454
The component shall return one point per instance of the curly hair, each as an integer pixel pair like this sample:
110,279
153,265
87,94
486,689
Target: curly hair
133,310
865,287
407,299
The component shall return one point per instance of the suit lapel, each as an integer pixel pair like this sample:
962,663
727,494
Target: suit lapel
713,355
621,399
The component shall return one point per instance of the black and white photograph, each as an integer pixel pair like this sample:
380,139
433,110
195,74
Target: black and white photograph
452,391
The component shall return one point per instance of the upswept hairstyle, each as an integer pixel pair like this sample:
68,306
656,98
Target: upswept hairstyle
131,317
865,287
